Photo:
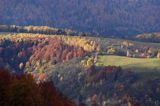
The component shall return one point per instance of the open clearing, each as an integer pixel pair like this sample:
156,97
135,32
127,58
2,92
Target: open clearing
135,64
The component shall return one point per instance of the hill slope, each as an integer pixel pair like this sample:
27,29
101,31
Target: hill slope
68,62
108,17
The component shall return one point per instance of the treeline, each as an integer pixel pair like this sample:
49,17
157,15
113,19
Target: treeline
40,30
22,90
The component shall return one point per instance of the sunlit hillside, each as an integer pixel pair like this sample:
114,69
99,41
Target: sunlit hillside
88,70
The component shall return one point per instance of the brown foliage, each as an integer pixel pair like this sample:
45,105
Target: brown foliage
22,90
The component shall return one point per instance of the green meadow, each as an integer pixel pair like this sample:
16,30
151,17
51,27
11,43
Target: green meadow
135,64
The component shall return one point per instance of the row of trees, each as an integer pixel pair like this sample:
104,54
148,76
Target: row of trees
40,30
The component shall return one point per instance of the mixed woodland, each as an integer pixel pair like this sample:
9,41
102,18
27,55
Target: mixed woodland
104,17
68,64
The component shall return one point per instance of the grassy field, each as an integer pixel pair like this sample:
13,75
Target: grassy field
135,64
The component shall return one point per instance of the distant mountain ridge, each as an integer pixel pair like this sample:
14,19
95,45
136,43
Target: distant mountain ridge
106,17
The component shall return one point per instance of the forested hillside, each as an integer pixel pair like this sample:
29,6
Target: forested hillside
25,50
107,17
79,52
82,68
22,90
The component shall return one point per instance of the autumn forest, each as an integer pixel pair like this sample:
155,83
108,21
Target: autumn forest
79,53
